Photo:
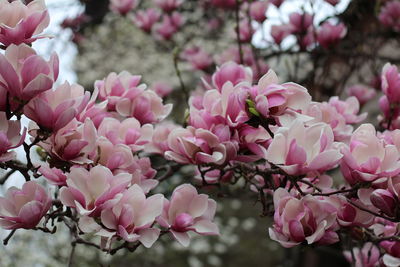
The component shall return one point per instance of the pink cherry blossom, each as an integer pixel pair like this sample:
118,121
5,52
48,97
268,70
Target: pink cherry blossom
309,219
88,191
258,10
54,109
329,35
130,217
298,149
389,15
20,23
24,74
198,146
128,132
24,208
391,83
122,6
362,93
145,19
367,256
188,211
368,157
10,137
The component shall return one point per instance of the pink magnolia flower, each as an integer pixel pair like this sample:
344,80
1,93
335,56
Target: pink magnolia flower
20,23
54,109
188,211
198,58
368,157
324,112
300,23
246,31
227,106
168,5
89,191
367,256
114,157
390,112
198,146
362,93
146,107
309,219
391,83
277,3
129,99
96,112
116,86
273,99
24,208
24,74
348,215
122,6
389,260
333,2
258,10
298,149
10,137
145,19
73,143
162,89
232,72
389,15
384,201
169,25
129,216
329,35
53,175
228,4
128,132
280,32
159,141
213,177
348,109
142,173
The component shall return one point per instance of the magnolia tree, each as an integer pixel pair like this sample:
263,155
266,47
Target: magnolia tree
104,154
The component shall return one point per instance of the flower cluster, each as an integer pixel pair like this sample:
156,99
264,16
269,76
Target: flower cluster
103,153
